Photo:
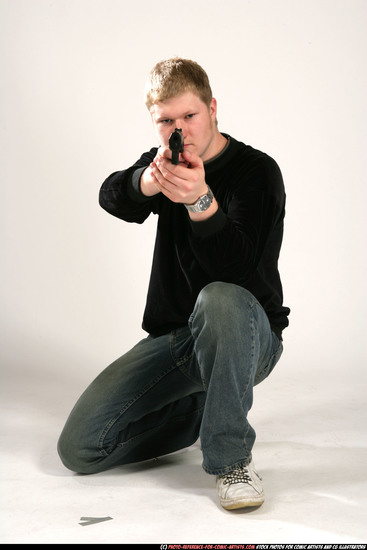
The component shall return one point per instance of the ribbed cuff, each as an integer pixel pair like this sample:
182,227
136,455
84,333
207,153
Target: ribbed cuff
133,187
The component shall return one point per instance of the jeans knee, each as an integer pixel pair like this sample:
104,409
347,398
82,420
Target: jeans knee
72,457
223,309
222,300
66,455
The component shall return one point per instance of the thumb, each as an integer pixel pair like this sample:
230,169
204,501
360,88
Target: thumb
191,158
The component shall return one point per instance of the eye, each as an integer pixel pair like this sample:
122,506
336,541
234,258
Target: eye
190,115
165,121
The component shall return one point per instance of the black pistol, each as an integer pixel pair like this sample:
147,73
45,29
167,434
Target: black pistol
176,144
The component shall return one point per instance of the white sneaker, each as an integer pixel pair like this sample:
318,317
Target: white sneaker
240,488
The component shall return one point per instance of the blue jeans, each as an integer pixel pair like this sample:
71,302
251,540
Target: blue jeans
168,390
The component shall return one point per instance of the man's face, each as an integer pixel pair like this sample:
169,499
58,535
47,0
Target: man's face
196,120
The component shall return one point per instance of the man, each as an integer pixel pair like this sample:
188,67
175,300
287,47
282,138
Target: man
214,313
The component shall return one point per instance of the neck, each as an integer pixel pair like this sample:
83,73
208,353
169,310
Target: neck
216,146
224,145
222,142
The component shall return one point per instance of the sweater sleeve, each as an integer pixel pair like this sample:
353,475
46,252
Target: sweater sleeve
120,193
247,229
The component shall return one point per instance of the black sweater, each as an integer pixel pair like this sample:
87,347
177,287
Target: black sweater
239,244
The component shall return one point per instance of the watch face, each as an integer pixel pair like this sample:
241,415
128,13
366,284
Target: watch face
204,203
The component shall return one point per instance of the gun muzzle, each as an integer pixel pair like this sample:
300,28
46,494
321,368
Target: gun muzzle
176,144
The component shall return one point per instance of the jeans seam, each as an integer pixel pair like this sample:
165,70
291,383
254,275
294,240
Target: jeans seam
180,363
252,328
270,365
182,360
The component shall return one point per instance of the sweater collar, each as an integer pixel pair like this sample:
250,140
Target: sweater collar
225,155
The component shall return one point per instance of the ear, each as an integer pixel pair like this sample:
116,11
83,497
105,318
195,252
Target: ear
213,109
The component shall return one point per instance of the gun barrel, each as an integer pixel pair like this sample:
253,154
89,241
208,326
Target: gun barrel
176,144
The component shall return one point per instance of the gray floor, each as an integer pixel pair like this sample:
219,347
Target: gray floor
310,450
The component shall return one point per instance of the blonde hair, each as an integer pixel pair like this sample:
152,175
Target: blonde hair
175,76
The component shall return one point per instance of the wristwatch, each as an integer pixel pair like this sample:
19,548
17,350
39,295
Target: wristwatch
202,203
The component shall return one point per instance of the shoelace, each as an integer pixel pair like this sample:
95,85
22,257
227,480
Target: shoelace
239,475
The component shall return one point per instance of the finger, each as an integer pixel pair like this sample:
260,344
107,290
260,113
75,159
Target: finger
164,184
163,152
191,159
167,169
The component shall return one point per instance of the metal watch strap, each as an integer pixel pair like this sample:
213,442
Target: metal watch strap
202,203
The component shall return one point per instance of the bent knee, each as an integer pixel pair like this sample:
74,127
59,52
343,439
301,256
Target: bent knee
75,458
221,297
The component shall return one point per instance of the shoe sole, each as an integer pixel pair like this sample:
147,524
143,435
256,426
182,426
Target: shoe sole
235,504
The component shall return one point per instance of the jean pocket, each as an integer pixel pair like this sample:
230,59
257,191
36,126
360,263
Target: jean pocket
265,370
